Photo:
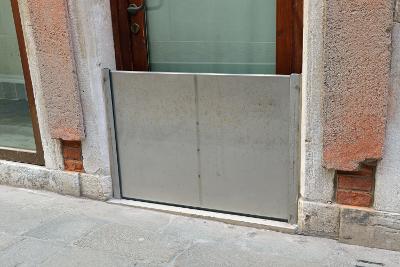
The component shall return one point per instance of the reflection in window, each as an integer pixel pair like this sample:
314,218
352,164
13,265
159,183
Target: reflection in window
15,121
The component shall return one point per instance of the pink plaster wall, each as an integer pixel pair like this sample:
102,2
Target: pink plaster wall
52,37
357,54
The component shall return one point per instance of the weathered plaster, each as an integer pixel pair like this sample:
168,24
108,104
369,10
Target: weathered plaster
51,147
356,75
51,36
94,50
387,187
316,183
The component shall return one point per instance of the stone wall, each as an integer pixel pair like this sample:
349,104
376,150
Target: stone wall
353,118
387,188
357,42
66,56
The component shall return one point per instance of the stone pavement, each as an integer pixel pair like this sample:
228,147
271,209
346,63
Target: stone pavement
45,229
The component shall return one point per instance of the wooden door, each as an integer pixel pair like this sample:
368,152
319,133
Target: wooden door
130,45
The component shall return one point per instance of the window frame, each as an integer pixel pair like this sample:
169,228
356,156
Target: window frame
15,154
289,37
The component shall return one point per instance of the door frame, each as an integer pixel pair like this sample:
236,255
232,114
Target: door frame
21,155
289,36
132,55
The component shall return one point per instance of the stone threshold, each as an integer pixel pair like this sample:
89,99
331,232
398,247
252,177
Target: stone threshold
210,215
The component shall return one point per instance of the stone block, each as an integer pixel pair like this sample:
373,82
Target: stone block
354,198
96,186
387,187
370,228
316,183
23,175
66,183
40,178
318,219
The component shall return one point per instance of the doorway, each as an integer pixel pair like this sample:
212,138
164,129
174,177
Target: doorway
206,109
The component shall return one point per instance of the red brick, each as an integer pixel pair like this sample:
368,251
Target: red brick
73,165
72,153
364,171
354,198
355,183
76,144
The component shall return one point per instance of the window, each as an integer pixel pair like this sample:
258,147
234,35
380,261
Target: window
19,133
224,36
212,36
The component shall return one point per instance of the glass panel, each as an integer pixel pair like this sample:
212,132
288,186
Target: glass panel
15,121
215,36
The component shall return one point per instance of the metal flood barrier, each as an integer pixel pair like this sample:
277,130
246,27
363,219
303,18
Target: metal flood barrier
218,142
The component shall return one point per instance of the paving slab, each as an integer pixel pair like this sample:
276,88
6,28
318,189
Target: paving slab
18,219
7,240
72,256
65,228
45,229
28,252
145,245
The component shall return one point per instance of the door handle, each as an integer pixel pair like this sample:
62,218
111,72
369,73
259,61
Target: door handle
133,9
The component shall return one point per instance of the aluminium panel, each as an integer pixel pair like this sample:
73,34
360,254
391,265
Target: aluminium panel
244,125
155,117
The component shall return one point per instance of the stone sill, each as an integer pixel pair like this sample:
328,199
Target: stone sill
209,215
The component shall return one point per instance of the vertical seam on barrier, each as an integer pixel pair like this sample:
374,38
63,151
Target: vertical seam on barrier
196,99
